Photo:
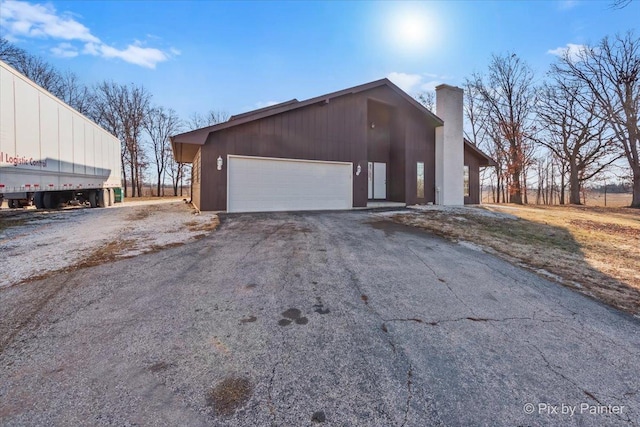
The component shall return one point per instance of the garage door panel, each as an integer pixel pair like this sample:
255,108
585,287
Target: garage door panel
266,184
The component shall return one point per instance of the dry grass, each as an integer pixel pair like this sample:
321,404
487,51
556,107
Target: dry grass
203,226
143,212
614,200
110,252
592,249
144,198
116,249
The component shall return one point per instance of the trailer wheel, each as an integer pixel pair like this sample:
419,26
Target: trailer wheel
13,204
50,200
103,198
93,198
38,200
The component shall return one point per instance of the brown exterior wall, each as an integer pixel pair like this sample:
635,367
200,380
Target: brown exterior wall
196,179
420,147
412,141
471,160
335,131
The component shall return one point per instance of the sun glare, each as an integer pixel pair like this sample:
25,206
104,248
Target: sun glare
411,30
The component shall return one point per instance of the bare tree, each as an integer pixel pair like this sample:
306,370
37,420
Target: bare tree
106,112
122,109
482,136
160,125
40,72
197,120
134,107
473,114
620,4
574,133
611,74
507,100
75,94
427,99
9,52
176,172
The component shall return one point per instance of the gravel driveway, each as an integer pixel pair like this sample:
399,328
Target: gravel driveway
36,242
314,319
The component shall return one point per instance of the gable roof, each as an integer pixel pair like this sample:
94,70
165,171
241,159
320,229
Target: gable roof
263,109
488,161
199,136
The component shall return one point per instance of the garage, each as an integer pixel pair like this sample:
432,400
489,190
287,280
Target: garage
260,184
366,144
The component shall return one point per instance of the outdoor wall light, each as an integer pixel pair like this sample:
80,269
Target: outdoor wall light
373,125
358,170
219,163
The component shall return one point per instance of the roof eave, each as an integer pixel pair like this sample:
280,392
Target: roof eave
488,160
199,136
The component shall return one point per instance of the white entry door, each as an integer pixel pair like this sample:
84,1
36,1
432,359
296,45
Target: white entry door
377,181
258,184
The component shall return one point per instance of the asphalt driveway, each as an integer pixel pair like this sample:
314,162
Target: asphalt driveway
314,319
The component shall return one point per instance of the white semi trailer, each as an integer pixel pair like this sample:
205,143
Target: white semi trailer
50,154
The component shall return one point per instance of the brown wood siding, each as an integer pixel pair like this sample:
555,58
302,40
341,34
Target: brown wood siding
196,179
334,131
394,157
397,162
420,147
472,160
412,141
381,117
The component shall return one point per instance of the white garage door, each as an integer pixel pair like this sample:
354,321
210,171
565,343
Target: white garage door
259,184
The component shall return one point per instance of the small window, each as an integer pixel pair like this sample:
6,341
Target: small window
466,181
420,181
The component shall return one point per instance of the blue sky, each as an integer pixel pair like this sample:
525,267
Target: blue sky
237,56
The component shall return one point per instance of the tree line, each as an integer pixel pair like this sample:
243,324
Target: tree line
575,125
125,110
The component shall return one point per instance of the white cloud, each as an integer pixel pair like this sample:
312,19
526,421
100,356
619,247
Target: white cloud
412,83
91,49
430,85
406,82
65,50
135,54
574,51
23,19
40,20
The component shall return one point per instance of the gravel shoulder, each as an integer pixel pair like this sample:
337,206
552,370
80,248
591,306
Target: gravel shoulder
34,243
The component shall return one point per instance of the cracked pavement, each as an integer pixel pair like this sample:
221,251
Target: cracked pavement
333,318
